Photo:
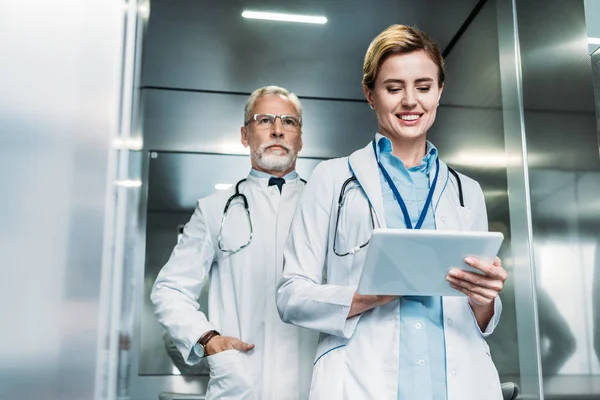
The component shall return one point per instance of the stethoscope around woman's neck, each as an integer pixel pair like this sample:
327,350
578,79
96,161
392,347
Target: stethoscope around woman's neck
341,199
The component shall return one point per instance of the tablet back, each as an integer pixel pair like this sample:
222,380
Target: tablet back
416,262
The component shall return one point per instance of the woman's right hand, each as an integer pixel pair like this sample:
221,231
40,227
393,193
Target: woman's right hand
219,343
363,302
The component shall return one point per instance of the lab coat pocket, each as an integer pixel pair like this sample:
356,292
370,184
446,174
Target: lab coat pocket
228,377
328,372
493,379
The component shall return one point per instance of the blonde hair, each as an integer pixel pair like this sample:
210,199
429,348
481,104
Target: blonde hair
399,39
274,90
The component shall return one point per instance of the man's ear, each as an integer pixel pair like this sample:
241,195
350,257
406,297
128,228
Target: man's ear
244,138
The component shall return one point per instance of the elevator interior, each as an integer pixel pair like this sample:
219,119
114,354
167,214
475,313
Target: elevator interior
520,113
200,61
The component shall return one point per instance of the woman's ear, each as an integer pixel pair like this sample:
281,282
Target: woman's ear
369,96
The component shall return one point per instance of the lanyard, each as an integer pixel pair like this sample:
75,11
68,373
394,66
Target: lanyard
399,199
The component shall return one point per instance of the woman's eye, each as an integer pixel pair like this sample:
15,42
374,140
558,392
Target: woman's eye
424,89
393,90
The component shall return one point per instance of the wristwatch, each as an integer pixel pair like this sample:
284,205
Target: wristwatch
200,346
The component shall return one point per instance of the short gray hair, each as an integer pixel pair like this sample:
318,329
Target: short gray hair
274,90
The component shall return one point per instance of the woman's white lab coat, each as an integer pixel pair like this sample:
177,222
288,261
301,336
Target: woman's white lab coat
241,294
358,357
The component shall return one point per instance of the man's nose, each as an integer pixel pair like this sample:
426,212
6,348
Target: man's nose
277,129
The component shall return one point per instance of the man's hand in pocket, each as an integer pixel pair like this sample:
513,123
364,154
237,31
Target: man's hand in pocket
221,343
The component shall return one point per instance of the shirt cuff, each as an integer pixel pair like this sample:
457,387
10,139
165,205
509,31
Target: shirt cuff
489,329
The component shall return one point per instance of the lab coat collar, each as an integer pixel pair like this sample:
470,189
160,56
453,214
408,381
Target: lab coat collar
263,182
441,184
363,165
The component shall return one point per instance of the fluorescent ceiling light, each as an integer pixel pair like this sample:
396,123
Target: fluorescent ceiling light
308,19
223,186
593,40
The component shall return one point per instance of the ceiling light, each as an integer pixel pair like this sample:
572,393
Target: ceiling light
308,19
593,40
223,186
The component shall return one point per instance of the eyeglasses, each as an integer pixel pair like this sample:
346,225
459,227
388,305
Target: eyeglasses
263,121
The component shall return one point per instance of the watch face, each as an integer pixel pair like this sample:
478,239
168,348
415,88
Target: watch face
199,350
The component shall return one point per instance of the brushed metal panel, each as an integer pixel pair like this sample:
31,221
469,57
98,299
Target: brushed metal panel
200,44
563,141
60,85
211,122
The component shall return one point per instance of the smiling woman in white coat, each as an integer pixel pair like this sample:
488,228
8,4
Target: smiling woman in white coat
390,347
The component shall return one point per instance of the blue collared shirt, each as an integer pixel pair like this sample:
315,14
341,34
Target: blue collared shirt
422,369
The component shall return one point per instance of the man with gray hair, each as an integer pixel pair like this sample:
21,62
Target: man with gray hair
234,244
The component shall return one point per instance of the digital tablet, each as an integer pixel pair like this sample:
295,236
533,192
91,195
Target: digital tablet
411,262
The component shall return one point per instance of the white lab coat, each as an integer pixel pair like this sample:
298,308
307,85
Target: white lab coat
358,357
241,294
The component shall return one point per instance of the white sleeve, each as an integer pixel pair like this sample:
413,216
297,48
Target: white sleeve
481,224
179,284
302,298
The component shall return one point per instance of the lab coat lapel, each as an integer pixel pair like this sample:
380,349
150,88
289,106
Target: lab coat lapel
363,165
441,184
445,210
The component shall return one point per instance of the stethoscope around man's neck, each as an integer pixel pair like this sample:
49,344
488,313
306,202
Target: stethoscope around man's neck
242,196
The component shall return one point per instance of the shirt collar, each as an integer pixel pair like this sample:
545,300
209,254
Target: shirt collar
384,145
259,174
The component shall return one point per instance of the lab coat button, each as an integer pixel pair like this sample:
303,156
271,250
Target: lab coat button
443,218
449,321
421,362
418,325
454,372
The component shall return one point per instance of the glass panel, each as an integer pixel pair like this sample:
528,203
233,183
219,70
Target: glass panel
564,171
470,134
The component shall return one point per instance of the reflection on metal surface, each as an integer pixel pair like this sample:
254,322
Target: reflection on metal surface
525,330
59,112
128,143
564,191
130,183
485,159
